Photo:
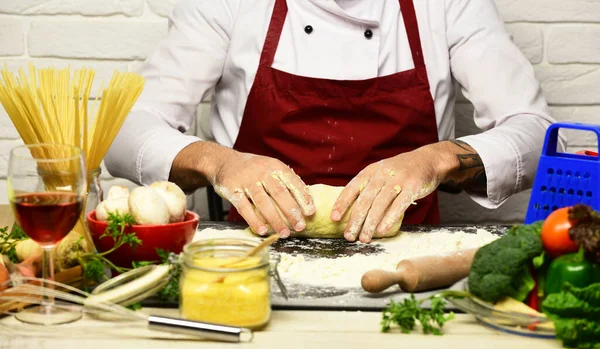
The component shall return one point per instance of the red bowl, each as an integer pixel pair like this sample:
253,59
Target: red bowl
169,237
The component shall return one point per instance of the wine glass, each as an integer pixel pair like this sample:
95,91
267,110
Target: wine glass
46,189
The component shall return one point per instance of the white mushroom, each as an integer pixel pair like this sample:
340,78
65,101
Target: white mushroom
174,197
114,205
147,206
117,191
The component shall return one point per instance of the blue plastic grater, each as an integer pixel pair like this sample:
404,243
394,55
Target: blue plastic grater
564,179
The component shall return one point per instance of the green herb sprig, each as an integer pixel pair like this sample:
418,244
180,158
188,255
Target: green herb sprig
9,240
407,313
93,263
170,293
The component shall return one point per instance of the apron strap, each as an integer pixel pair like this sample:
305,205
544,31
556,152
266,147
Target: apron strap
407,8
274,33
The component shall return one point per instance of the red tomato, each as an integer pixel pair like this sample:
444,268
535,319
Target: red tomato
555,233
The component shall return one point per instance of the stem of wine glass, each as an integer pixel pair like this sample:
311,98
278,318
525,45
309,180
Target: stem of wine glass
48,273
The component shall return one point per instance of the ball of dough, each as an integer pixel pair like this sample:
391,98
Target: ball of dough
320,225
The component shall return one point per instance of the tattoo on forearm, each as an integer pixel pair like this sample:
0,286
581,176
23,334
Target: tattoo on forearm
461,144
468,161
471,172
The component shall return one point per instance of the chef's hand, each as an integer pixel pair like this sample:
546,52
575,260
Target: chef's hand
247,181
384,190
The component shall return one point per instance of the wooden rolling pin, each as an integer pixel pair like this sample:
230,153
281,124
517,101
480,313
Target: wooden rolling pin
421,273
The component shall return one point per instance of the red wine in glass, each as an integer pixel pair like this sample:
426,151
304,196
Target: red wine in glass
46,188
47,217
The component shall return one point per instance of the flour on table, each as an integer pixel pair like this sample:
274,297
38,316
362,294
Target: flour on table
210,233
346,271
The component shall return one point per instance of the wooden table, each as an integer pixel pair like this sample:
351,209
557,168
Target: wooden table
296,329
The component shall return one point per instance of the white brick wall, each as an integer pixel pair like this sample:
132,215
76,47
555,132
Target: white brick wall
73,7
12,34
114,39
559,37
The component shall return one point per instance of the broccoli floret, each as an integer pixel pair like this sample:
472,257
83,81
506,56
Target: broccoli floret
529,237
490,286
501,268
533,229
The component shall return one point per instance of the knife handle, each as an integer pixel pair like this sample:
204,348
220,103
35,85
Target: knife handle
421,273
200,329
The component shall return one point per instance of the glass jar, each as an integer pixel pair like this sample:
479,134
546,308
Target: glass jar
95,195
219,285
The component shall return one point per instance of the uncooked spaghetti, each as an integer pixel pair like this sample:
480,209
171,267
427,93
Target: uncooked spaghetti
53,106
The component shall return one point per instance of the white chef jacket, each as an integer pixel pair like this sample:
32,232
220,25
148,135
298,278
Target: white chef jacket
216,45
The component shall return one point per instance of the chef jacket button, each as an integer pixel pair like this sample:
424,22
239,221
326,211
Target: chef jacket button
308,29
368,34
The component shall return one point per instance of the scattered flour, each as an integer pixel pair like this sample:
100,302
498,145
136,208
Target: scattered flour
210,233
346,272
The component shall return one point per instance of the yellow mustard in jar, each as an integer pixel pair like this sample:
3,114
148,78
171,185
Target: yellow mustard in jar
219,285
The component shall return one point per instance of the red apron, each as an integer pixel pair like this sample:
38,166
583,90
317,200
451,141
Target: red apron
329,130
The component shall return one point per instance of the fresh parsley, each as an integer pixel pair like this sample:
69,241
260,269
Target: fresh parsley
9,240
94,264
407,313
170,293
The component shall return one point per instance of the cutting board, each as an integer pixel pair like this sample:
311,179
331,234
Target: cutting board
309,297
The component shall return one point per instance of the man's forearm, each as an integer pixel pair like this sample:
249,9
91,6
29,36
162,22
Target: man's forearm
470,172
195,164
462,167
459,166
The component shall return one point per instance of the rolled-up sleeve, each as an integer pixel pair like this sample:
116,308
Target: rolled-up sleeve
501,84
179,74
